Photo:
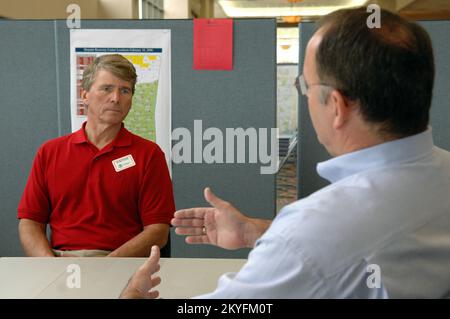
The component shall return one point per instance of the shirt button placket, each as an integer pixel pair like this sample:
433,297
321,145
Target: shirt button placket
91,182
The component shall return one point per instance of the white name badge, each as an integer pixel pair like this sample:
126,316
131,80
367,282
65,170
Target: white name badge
123,163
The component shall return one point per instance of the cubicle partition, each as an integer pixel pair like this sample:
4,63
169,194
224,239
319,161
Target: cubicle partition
310,152
35,107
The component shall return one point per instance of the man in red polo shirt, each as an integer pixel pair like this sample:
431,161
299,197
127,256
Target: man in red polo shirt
103,190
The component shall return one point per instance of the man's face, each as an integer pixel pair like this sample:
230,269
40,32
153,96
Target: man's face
321,114
108,99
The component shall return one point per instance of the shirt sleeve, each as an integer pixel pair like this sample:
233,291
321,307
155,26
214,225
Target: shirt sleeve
34,203
156,202
274,269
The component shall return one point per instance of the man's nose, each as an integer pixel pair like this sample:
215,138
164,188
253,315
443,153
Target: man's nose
115,95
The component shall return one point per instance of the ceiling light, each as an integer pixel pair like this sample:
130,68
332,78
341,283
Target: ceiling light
267,8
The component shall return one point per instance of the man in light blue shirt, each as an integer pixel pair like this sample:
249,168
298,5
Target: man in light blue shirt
381,229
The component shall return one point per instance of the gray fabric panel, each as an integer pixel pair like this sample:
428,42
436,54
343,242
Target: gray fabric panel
309,150
28,113
440,109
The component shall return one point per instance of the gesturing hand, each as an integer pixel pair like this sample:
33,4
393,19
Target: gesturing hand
143,281
222,225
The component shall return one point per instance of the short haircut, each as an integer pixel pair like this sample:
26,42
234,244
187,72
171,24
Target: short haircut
388,70
114,63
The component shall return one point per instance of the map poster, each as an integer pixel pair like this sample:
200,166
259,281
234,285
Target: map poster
149,51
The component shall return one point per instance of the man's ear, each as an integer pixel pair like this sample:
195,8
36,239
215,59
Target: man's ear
341,109
84,94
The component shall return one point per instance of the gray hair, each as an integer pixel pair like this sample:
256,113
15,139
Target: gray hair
114,63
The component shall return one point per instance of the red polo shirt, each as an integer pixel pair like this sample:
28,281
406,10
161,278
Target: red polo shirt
75,188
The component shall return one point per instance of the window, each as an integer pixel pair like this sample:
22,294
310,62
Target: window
151,9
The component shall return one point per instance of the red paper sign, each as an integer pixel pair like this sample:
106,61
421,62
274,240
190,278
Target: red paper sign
213,44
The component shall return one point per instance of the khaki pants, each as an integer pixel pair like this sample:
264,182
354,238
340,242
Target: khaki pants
81,253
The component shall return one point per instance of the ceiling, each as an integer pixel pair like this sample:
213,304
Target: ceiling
428,9
271,8
289,12
284,10
429,5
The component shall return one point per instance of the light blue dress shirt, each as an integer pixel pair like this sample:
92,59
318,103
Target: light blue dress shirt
381,229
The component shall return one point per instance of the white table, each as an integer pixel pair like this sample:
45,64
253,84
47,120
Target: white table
26,277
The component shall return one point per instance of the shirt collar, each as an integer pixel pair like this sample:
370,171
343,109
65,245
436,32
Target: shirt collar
385,154
123,138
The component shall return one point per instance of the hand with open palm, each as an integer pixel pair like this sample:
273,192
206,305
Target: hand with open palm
222,224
